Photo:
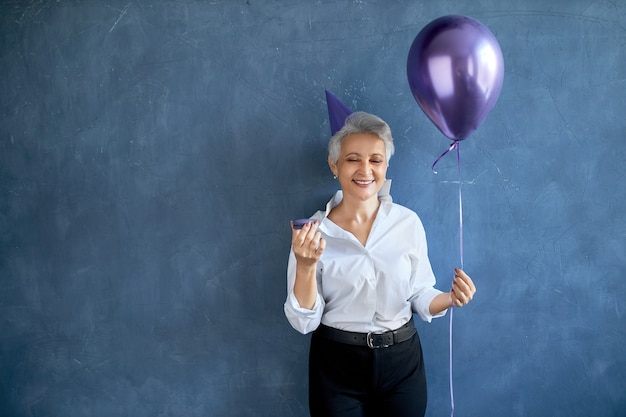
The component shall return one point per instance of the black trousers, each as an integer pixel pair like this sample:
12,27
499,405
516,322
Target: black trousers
356,381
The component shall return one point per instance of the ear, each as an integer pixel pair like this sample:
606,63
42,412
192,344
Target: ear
331,164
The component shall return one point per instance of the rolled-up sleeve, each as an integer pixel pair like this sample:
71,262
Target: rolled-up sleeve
422,278
421,304
302,319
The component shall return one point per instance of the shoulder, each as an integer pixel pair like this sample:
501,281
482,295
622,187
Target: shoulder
405,217
401,211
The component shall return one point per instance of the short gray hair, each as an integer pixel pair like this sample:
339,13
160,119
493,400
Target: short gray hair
361,122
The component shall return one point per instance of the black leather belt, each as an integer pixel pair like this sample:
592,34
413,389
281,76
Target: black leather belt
371,340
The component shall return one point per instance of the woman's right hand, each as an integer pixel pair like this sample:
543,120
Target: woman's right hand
308,244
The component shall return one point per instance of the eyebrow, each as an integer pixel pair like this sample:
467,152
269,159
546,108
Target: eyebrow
358,154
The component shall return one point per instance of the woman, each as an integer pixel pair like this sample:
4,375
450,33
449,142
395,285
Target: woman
356,274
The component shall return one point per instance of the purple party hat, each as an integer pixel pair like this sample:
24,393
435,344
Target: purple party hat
337,112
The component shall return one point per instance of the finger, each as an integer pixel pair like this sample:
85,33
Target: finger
471,284
461,285
318,245
462,275
321,247
311,229
471,289
456,300
458,272
314,235
311,241
462,292
299,236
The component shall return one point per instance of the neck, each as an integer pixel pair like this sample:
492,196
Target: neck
358,211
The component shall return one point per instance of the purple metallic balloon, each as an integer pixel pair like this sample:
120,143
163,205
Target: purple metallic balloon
455,70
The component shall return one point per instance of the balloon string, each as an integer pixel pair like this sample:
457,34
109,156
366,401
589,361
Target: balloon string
458,161
451,383
454,145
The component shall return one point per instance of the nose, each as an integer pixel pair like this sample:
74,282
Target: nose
366,166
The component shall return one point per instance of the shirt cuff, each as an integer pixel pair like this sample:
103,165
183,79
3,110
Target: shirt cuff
302,319
421,305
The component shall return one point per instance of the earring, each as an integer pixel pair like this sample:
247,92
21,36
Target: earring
334,177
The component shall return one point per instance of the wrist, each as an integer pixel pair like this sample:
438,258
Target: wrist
440,303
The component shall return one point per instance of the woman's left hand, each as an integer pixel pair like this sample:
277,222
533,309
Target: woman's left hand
463,288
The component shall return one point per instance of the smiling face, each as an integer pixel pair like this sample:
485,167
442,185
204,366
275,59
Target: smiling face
361,167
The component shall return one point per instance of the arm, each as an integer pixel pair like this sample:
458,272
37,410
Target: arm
440,303
304,305
305,287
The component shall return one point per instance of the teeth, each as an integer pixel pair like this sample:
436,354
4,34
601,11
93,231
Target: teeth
363,182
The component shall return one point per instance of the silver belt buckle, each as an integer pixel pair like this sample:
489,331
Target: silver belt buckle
370,341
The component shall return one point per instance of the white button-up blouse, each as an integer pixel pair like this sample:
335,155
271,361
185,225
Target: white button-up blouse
371,288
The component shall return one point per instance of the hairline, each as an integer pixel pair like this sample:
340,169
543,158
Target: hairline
361,123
